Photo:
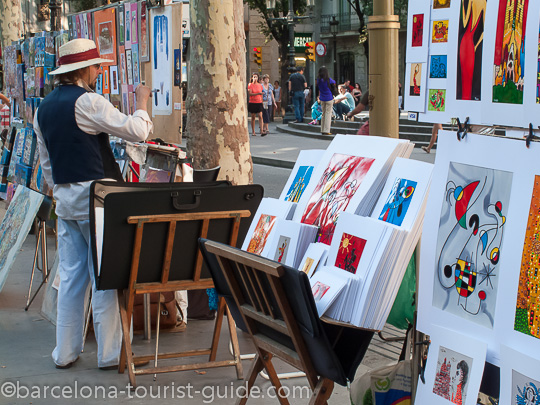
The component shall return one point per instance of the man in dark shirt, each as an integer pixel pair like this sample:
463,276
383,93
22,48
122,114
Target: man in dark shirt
297,84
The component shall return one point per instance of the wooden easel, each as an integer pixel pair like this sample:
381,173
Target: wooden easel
127,298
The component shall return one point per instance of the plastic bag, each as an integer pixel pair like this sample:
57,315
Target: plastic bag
402,313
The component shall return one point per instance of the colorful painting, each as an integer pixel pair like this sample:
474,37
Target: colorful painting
527,318
438,67
509,58
120,24
452,376
282,249
525,390
15,226
416,75
437,100
334,190
441,4
105,30
162,60
397,204
307,265
440,32
349,252
318,290
144,46
418,30
469,242
469,54
134,26
300,182
260,234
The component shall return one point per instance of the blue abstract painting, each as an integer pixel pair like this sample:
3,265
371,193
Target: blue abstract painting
398,201
438,67
299,184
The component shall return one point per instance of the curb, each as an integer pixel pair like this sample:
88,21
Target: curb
284,164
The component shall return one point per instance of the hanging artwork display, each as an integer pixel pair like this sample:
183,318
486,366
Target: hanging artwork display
120,24
144,45
520,378
105,30
439,32
127,26
417,30
162,60
415,95
437,100
339,182
115,84
134,29
438,67
417,33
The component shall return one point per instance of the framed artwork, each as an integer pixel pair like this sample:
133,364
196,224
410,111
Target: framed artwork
134,29
122,68
115,83
415,82
438,67
338,184
129,67
162,60
105,30
106,85
144,45
417,30
127,26
415,94
349,252
439,34
121,25
437,100
135,64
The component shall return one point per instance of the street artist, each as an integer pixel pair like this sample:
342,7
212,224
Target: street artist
72,126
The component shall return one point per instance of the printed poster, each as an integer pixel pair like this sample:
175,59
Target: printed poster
105,31
162,60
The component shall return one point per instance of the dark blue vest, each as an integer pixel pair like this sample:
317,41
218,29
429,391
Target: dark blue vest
74,154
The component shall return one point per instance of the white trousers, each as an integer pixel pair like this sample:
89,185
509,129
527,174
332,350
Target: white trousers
76,270
326,120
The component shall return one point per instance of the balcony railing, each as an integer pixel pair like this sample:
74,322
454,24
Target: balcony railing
346,22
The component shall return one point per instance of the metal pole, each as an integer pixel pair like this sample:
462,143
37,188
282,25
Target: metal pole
290,23
383,29
335,59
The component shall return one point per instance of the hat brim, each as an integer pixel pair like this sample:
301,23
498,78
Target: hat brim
78,65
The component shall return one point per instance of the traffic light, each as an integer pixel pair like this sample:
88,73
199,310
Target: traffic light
257,54
310,51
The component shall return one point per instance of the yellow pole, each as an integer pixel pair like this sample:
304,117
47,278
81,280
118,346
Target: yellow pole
383,28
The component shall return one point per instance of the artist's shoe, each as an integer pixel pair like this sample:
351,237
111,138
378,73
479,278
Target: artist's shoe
425,149
326,133
179,327
66,366
136,363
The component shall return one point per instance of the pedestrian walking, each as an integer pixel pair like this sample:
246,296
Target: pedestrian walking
326,98
269,102
255,104
277,97
297,85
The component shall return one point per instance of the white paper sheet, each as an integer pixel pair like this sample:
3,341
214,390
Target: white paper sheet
520,378
161,59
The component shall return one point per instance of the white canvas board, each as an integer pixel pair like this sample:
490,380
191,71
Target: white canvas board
531,97
415,100
99,215
314,258
515,212
419,52
404,192
271,209
161,59
15,226
329,179
494,113
326,285
283,243
455,364
301,174
520,378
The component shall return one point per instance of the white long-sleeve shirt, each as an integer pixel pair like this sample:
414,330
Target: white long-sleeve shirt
94,115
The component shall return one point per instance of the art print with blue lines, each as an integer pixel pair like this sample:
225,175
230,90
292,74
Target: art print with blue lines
438,67
162,60
398,202
525,390
299,184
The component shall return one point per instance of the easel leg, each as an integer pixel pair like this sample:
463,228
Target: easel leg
322,392
125,353
274,379
254,371
41,238
157,332
217,329
236,347
87,322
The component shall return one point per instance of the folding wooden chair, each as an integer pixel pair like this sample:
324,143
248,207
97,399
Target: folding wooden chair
273,303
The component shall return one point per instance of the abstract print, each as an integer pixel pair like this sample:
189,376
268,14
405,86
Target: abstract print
349,252
440,32
299,184
470,43
437,100
527,318
162,66
509,58
333,192
525,390
438,69
397,203
417,30
416,75
261,233
452,375
318,290
469,243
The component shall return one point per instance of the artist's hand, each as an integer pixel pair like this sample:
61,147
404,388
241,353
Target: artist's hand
142,93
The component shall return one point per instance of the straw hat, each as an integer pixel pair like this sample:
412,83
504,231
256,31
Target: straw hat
77,54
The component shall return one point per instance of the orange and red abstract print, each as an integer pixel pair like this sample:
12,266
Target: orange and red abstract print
349,253
441,4
527,318
416,75
440,31
508,72
418,30
333,192
470,44
260,234
437,100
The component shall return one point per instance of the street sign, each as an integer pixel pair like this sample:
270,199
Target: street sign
320,48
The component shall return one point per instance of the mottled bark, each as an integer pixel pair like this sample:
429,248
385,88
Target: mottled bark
11,26
217,127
